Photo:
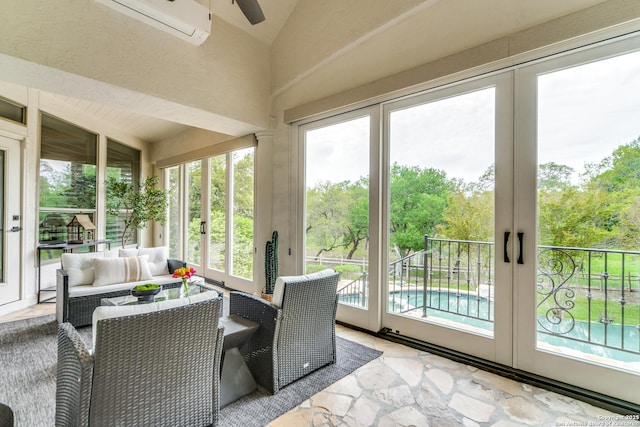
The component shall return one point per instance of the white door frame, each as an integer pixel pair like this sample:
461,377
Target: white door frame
12,240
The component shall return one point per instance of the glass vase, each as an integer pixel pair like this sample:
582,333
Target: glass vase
184,289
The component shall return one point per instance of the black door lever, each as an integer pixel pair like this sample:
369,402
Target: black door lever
506,242
520,238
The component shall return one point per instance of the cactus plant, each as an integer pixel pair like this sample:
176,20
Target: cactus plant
271,263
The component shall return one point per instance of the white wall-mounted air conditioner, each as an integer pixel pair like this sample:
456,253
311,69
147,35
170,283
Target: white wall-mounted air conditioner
186,19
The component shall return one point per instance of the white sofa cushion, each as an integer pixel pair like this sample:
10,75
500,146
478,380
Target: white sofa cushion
118,270
79,267
157,258
108,312
278,290
84,290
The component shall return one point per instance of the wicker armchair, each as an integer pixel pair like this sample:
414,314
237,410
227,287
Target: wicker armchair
154,364
297,331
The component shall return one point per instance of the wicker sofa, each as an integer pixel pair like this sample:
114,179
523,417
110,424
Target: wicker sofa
85,279
154,364
297,330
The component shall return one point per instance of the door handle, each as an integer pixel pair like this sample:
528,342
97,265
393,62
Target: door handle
14,229
520,239
506,241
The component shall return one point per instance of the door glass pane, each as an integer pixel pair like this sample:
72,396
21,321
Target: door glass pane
173,218
588,283
218,216
194,216
441,211
337,205
243,213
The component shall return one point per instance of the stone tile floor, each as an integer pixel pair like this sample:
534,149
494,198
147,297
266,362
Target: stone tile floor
409,387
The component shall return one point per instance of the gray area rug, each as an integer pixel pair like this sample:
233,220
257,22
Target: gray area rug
28,357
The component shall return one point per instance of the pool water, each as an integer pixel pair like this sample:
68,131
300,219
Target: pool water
594,338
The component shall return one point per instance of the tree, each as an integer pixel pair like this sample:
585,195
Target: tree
140,204
468,217
418,200
328,208
554,177
358,225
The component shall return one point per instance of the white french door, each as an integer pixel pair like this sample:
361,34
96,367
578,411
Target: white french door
535,263
10,220
342,204
503,216
448,186
576,307
211,215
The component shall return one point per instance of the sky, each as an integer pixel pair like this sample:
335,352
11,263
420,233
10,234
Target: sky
584,113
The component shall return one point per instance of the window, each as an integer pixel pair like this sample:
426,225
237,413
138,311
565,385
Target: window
13,112
123,163
67,177
211,214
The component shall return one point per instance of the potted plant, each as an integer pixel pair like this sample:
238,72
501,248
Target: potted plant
141,204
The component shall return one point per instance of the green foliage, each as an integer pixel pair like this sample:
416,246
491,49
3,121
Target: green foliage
349,271
329,208
72,187
142,204
468,217
314,268
243,246
146,287
418,200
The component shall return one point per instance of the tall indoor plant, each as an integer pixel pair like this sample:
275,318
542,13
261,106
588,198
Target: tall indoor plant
141,204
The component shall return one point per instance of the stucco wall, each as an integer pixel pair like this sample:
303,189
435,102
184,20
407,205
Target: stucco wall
225,80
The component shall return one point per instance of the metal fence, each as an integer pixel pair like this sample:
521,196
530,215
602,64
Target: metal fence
586,296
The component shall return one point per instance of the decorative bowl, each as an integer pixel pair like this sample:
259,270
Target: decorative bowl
146,292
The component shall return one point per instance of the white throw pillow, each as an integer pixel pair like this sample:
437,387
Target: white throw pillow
157,260
120,270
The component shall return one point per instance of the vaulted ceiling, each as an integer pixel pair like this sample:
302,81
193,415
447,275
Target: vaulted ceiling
350,42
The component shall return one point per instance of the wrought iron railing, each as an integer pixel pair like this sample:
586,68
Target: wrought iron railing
590,295
355,292
586,296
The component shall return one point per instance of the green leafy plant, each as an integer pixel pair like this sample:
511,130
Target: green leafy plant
140,204
146,287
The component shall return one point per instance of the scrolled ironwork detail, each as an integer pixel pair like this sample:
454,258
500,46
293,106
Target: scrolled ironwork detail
555,268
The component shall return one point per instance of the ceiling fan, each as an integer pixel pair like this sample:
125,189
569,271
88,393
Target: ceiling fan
251,10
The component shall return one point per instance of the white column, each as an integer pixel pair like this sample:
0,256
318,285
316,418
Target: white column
263,208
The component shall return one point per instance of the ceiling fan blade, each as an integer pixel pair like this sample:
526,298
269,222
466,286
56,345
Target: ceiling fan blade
251,10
